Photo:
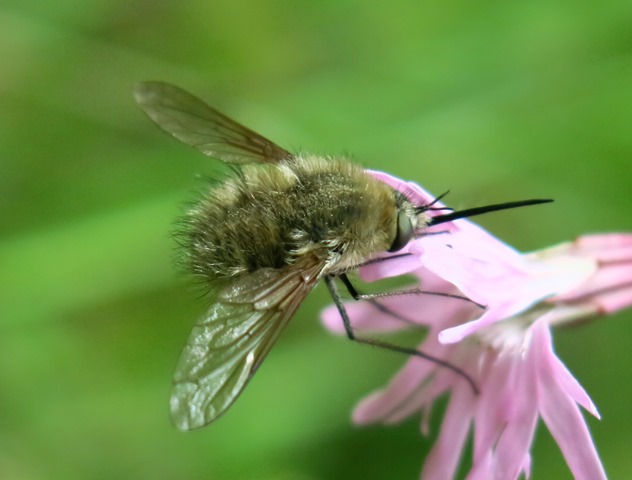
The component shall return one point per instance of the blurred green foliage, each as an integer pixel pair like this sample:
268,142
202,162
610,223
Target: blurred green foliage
494,100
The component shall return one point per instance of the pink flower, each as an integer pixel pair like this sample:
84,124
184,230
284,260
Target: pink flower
506,347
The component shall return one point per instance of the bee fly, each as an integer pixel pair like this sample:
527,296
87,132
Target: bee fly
264,237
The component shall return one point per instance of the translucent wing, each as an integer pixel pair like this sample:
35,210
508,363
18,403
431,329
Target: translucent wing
193,122
227,346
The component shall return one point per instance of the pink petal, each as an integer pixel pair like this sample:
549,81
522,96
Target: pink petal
492,283
564,420
603,242
611,255
455,268
442,461
526,466
513,293
569,385
441,381
382,404
497,313
515,440
422,398
558,371
482,469
505,420
491,413
478,243
610,302
390,266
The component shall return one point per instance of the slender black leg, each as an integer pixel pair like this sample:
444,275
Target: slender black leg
333,290
408,291
377,305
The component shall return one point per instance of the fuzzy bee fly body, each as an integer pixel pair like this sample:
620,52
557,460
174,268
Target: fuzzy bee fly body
262,239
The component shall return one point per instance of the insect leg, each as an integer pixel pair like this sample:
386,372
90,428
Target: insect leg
409,291
333,290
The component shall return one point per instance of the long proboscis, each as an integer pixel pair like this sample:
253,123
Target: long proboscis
471,212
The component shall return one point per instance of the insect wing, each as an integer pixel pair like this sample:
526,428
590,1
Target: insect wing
227,346
193,122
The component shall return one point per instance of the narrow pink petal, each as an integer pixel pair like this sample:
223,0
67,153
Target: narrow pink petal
441,381
603,241
610,302
611,255
380,405
513,409
413,389
443,460
557,370
505,420
568,427
571,386
422,398
483,467
526,466
372,408
564,420
491,413
515,440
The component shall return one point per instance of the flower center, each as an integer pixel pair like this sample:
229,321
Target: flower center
512,335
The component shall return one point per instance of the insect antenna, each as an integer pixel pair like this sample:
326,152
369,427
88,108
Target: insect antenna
430,207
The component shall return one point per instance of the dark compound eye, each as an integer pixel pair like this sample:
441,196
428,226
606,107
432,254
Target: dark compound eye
404,232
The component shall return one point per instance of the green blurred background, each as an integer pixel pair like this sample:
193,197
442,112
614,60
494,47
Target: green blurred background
494,100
